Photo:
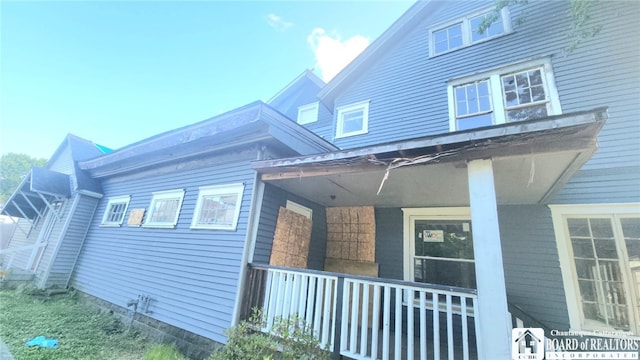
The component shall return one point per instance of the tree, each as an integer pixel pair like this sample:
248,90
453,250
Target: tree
582,25
13,168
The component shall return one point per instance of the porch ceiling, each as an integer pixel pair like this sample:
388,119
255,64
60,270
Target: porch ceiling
531,161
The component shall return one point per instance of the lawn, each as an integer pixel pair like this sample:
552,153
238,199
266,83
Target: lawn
82,332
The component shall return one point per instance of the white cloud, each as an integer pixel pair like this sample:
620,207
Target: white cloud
278,22
332,53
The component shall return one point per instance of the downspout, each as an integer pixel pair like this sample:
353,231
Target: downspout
250,239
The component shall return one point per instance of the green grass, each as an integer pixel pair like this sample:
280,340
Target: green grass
82,332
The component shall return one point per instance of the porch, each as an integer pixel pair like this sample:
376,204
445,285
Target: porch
441,186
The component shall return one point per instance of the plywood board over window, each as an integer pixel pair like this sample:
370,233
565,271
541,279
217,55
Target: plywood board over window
351,233
291,240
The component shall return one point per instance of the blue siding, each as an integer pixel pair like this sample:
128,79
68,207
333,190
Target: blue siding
531,263
273,199
408,90
389,243
190,275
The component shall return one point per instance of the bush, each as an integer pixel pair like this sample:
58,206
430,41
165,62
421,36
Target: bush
163,352
290,339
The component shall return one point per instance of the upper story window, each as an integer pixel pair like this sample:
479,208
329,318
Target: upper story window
521,92
164,208
218,207
308,113
115,211
353,119
465,32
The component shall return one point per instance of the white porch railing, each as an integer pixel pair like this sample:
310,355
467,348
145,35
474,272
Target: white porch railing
369,318
8,255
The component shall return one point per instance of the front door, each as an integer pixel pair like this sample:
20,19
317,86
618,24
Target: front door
439,247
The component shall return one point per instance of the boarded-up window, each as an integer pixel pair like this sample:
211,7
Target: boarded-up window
291,240
351,233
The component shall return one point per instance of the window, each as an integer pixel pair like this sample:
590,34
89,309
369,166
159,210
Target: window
164,208
299,209
353,119
601,265
516,93
439,247
465,32
115,211
308,113
447,39
218,207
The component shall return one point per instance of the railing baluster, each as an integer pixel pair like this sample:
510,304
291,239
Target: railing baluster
410,314
282,283
302,297
398,325
375,324
295,295
385,322
336,290
436,325
344,325
355,305
286,299
423,326
311,299
326,313
319,305
479,343
465,335
449,327
364,328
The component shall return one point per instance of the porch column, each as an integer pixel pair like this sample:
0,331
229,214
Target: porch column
494,332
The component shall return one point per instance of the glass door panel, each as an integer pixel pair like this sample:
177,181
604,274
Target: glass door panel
443,253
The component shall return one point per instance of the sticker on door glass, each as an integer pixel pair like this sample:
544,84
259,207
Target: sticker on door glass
433,235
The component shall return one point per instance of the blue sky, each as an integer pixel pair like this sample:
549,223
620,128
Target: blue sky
118,72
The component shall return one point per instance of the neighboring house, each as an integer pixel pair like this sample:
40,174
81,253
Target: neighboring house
442,180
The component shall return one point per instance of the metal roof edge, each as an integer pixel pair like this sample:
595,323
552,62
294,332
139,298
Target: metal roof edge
147,145
597,115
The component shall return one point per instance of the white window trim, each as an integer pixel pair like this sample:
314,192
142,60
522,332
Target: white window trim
412,214
213,190
312,108
113,200
159,195
467,30
558,214
299,209
495,88
362,105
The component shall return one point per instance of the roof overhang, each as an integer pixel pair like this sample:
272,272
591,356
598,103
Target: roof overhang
531,160
251,124
36,192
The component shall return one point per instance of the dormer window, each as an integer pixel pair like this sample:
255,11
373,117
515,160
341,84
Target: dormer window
308,113
465,32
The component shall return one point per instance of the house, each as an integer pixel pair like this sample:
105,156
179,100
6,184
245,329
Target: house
445,186
528,343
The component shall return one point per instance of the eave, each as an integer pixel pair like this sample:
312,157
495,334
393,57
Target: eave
555,147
